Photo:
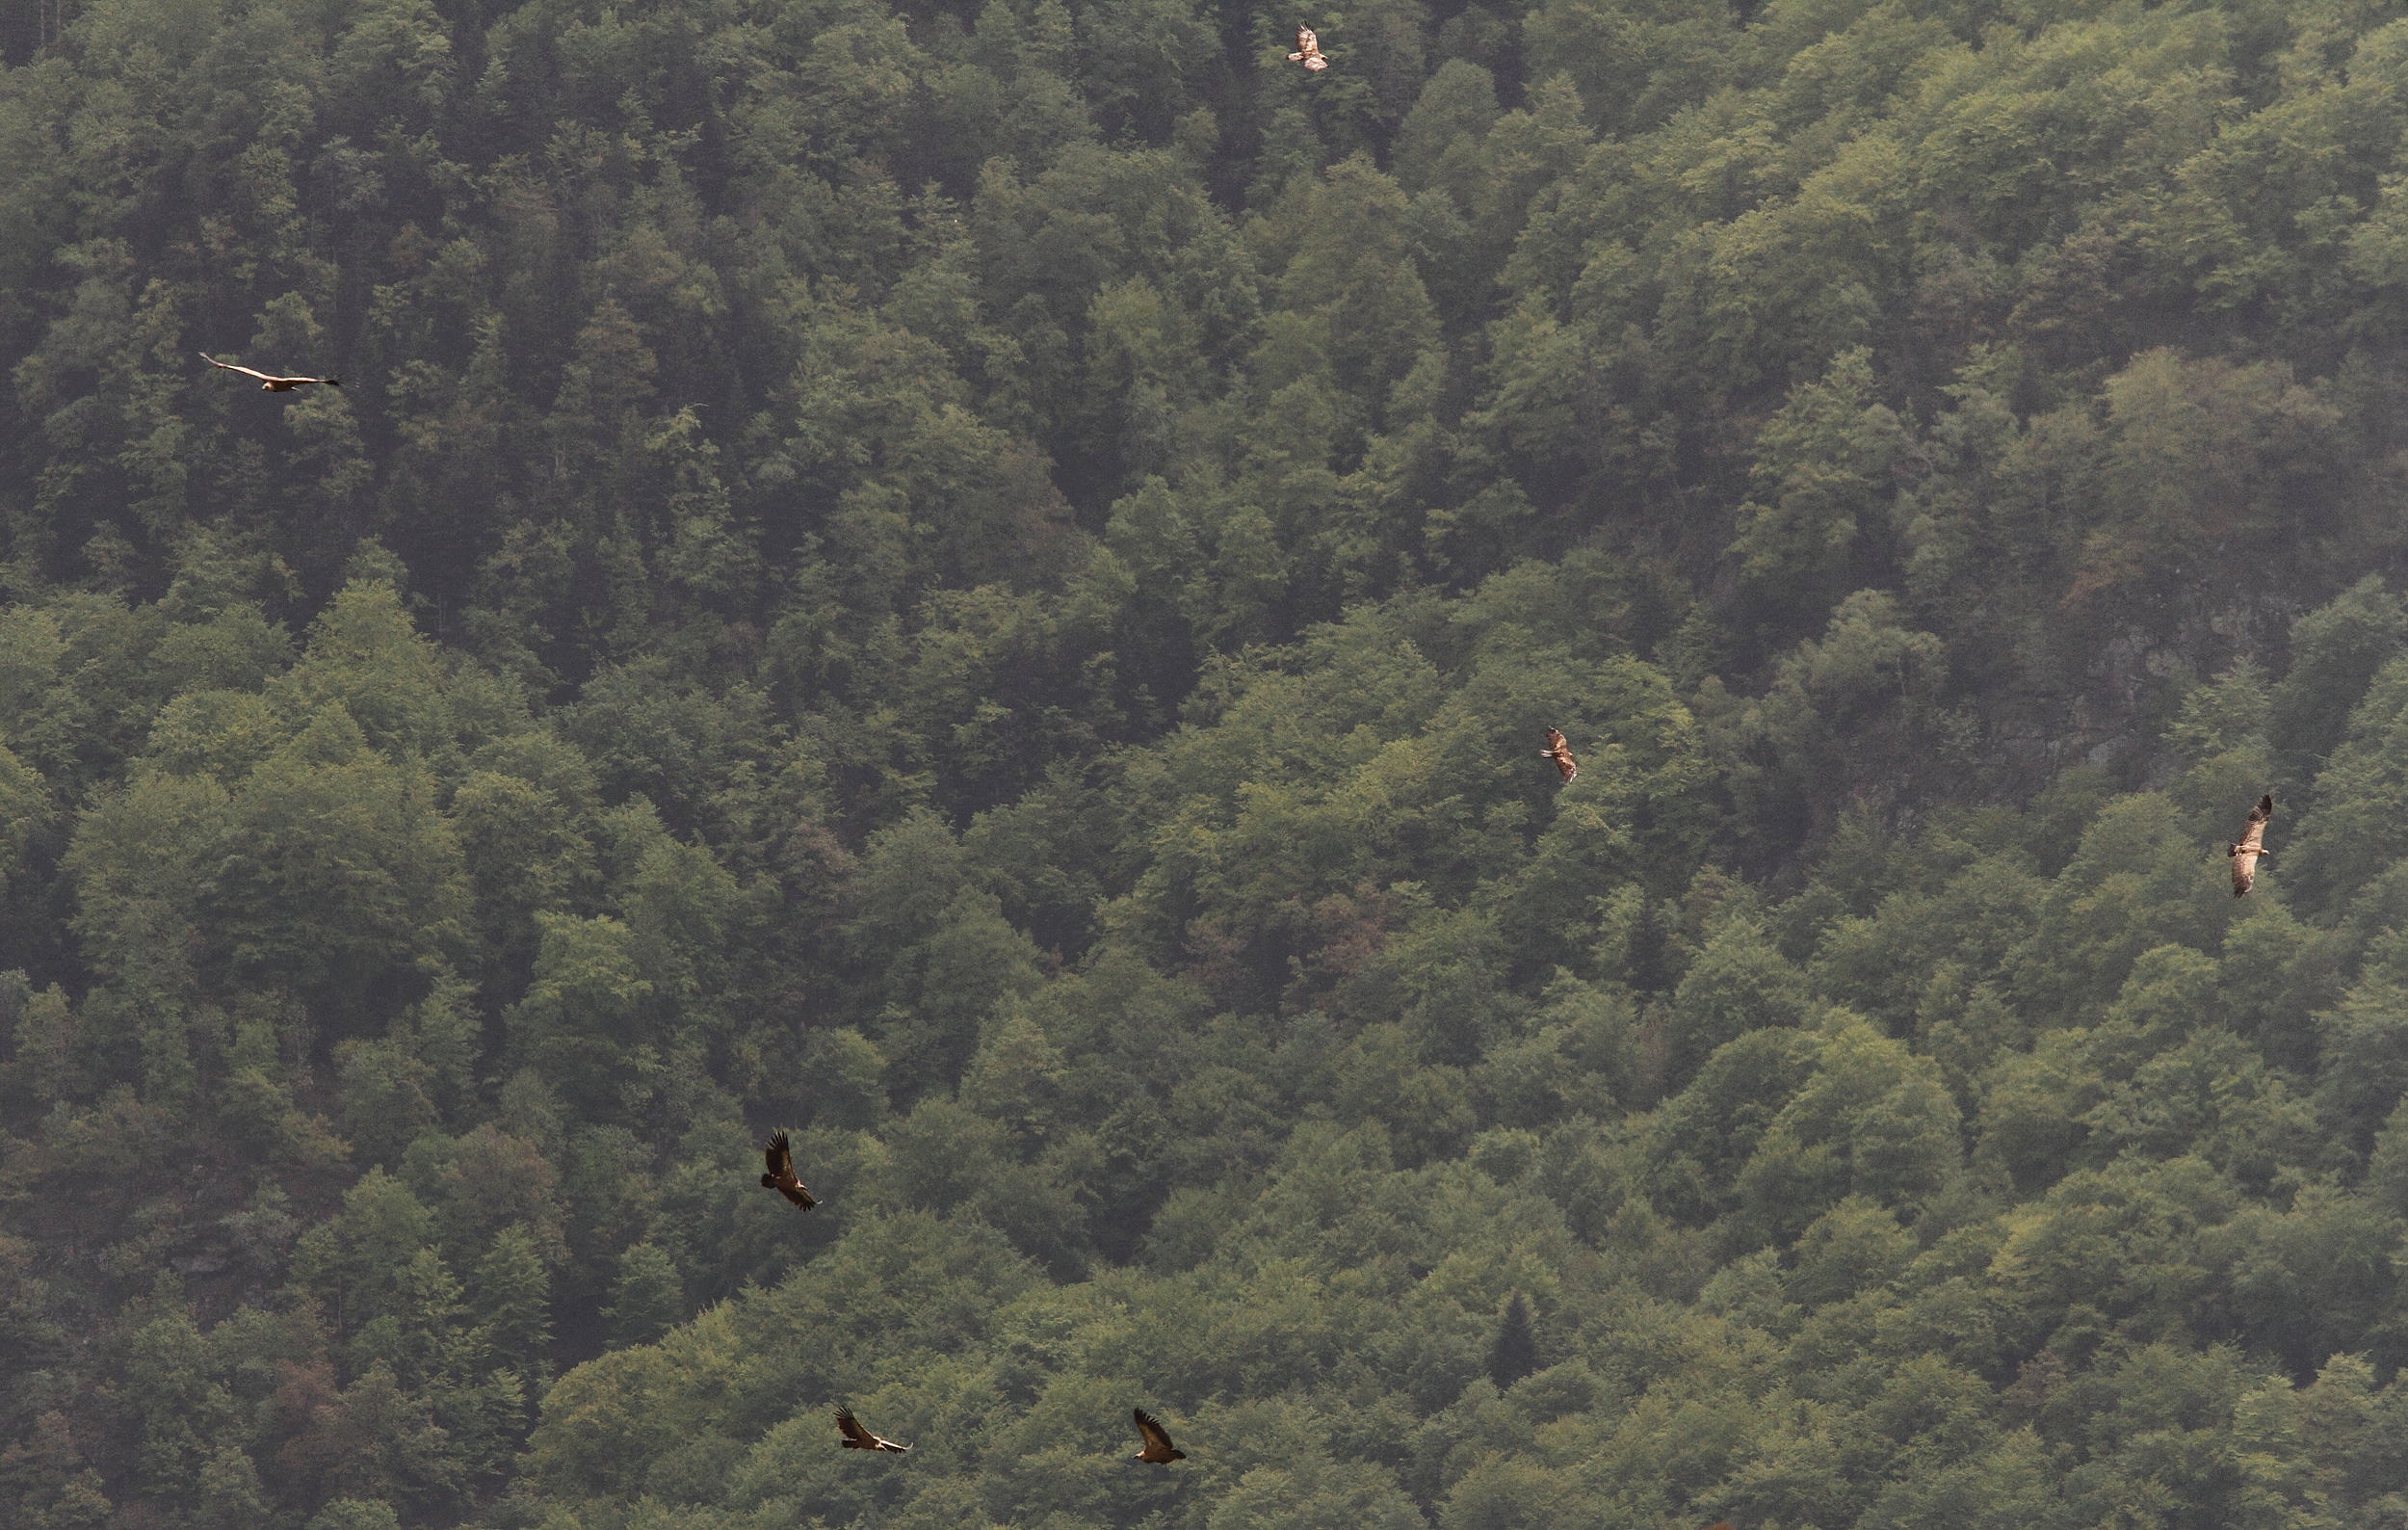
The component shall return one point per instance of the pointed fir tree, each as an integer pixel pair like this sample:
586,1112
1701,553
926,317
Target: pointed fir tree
229,1496
436,1343
1515,1353
646,1300
510,1294
1649,967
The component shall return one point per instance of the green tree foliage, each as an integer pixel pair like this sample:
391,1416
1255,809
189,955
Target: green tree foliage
509,1293
1515,1353
645,1300
982,587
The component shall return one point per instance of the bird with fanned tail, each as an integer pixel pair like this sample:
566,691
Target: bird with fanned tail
858,1438
2251,848
781,1177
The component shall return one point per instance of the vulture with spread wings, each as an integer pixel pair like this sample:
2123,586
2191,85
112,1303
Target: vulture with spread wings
2252,847
780,1154
1308,50
1159,1451
858,1438
1560,752
272,384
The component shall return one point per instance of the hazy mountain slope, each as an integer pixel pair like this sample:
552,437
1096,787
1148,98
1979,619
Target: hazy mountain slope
987,589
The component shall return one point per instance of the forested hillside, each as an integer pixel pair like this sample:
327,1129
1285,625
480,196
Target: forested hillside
984,584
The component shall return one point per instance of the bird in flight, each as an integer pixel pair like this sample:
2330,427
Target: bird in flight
781,1178
858,1438
273,385
1560,752
1308,51
1159,1451
2252,847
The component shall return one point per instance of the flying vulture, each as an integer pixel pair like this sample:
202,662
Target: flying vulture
1159,1451
858,1438
2252,847
1561,752
1308,50
781,1178
272,384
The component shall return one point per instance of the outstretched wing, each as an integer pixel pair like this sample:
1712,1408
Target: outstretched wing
1560,750
2251,847
781,1176
1158,1445
2253,835
858,1438
231,367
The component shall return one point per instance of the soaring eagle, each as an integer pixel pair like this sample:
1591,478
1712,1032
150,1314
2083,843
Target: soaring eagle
1159,1451
781,1176
2252,847
273,385
1561,752
1308,50
858,1438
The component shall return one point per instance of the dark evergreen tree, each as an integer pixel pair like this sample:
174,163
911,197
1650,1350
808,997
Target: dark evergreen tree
1514,1351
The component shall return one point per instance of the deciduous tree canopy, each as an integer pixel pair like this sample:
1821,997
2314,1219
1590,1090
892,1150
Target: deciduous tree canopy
980,588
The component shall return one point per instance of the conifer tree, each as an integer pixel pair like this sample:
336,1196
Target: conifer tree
1514,1353
647,1298
509,1292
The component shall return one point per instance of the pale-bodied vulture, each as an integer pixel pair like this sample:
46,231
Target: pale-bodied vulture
273,385
2252,847
858,1438
1560,752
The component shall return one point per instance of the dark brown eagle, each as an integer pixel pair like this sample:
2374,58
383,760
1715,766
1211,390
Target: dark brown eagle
858,1438
273,385
2252,847
1561,752
781,1176
1159,1451
1308,50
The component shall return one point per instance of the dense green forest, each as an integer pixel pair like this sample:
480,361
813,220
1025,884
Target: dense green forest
984,583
